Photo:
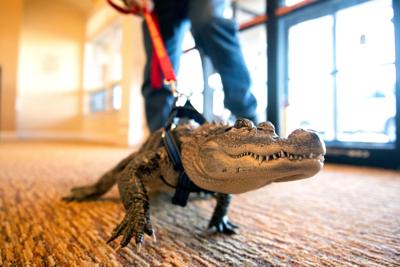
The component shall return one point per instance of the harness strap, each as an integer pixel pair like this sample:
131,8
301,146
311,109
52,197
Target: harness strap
186,111
185,186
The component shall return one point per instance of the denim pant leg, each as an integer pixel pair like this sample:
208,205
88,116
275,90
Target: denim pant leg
218,38
158,101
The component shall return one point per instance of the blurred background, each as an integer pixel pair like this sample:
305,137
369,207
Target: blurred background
72,70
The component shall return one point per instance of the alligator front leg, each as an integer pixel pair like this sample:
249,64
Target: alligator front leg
219,219
137,218
136,222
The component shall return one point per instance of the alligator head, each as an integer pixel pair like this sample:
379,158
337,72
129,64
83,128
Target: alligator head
240,158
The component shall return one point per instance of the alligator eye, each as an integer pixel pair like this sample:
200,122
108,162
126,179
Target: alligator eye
228,129
243,123
266,126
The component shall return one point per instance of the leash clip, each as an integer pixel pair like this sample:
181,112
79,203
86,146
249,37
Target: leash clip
181,98
172,86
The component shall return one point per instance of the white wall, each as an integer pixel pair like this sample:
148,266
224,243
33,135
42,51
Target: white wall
49,98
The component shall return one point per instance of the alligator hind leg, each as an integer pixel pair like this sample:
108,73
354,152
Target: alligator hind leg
219,220
106,181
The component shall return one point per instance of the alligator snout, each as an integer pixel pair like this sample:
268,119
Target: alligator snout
308,139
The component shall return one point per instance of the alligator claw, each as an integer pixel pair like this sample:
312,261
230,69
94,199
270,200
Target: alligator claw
134,225
224,226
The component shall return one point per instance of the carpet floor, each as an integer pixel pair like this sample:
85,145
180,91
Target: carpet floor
345,216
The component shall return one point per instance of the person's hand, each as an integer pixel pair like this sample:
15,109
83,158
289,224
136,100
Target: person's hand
147,5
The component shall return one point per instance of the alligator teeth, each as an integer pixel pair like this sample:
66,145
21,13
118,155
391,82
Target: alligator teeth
280,154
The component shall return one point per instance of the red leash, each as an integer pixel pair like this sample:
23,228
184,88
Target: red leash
161,59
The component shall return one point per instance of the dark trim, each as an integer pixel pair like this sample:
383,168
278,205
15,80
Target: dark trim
396,22
384,158
275,92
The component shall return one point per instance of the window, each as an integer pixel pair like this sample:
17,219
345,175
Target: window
103,71
98,101
341,74
310,84
366,76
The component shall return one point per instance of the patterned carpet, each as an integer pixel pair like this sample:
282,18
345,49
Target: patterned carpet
345,216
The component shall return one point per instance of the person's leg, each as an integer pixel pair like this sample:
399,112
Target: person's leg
158,101
217,37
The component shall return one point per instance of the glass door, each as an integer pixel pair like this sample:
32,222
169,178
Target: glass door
341,77
366,73
310,83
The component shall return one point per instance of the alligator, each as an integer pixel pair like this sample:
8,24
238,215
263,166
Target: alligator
219,158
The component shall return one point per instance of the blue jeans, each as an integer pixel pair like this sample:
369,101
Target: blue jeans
216,37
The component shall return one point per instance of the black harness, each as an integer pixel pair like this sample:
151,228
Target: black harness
185,186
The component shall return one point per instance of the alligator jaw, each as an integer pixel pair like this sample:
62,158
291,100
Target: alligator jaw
279,155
